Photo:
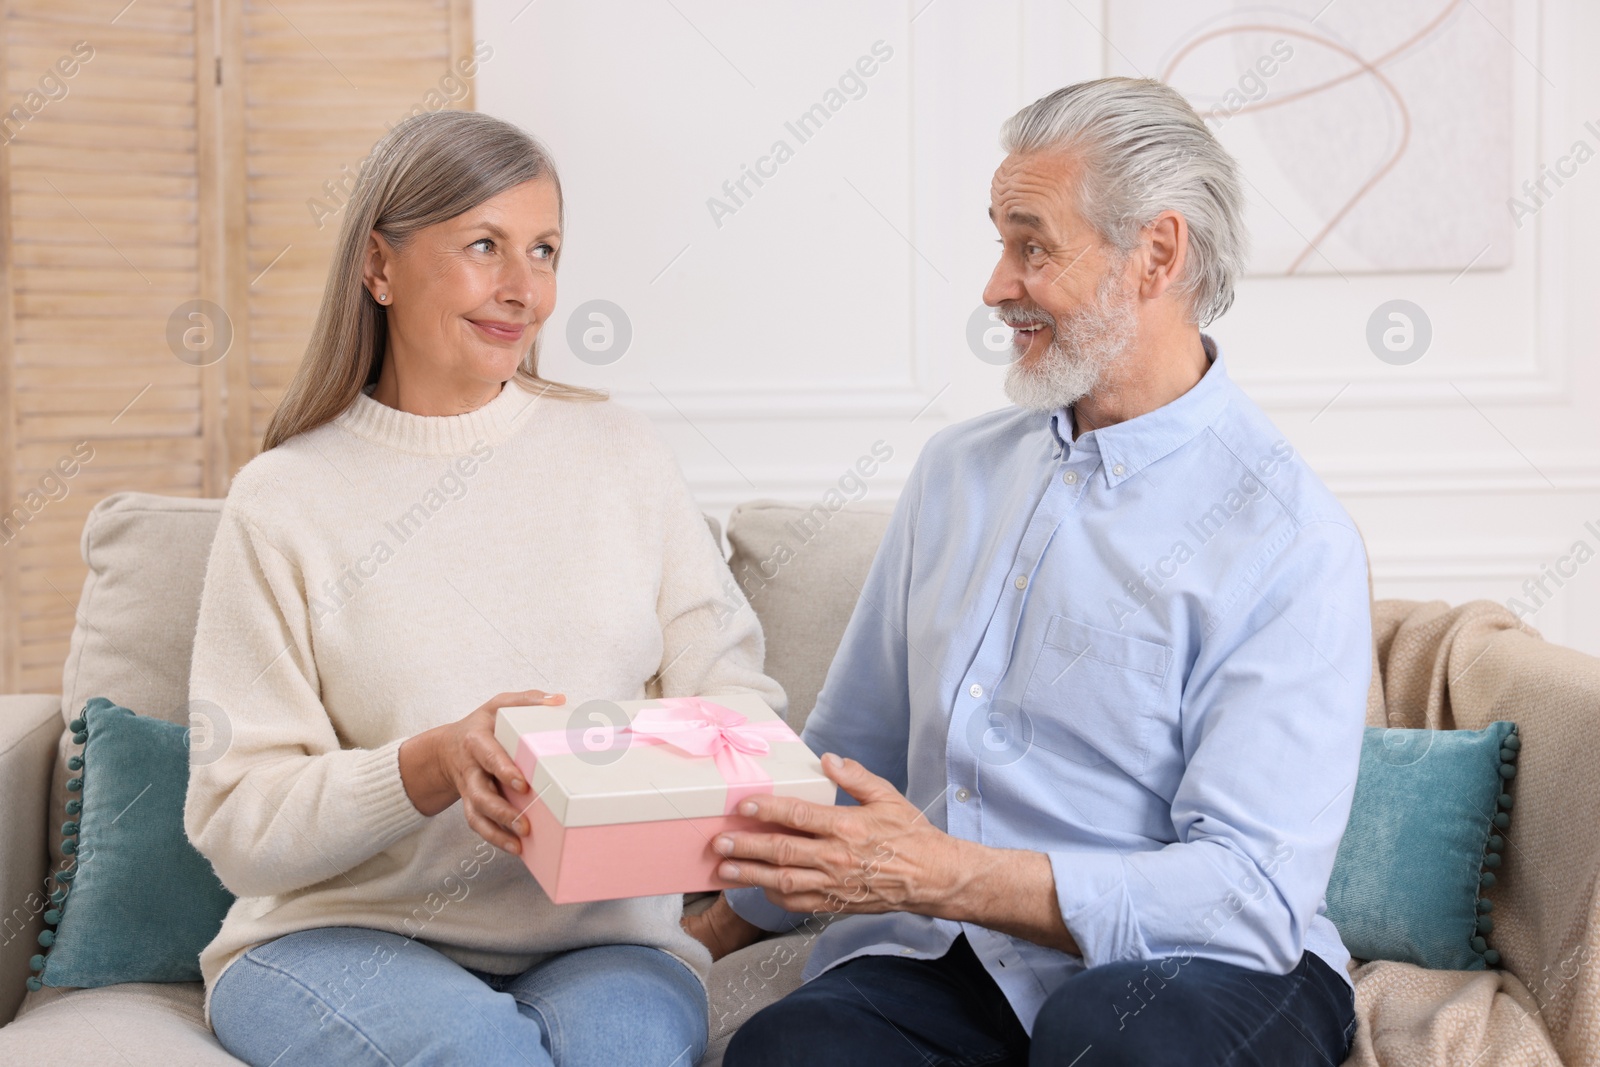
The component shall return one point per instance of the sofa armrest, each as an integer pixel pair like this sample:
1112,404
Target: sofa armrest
30,730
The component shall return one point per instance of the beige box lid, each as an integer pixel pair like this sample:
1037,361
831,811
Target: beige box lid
591,771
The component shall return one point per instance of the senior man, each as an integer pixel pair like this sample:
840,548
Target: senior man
1099,706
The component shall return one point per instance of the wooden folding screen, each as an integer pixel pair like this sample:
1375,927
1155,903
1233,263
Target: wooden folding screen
171,173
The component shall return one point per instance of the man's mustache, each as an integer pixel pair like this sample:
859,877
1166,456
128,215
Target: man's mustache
1021,318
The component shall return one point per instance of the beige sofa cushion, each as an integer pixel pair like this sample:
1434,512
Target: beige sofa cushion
147,559
802,569
744,982
136,616
135,1024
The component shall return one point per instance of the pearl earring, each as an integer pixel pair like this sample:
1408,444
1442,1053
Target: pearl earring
383,296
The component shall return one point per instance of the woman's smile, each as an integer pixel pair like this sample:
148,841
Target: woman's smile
507,332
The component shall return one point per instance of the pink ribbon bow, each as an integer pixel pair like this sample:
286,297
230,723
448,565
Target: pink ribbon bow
701,728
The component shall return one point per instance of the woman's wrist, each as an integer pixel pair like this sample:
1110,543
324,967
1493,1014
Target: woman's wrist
422,773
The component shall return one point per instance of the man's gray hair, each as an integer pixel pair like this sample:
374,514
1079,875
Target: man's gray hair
1144,151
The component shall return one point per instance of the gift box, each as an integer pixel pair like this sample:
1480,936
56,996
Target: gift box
629,795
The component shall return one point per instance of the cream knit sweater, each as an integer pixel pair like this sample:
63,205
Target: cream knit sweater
389,572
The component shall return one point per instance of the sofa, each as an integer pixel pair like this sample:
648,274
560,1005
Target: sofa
1433,665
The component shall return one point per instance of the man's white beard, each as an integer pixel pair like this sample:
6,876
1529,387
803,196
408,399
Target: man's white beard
1082,348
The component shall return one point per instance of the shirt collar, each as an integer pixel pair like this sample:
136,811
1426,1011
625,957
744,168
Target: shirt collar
1128,447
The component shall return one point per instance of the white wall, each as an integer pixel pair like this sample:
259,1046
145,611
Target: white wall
830,309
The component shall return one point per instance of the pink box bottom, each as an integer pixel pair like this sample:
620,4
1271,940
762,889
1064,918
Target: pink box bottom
636,859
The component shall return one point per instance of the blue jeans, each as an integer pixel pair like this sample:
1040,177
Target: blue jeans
883,1011
348,995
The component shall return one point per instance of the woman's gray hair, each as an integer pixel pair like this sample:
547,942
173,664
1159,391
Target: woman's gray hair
427,169
1143,151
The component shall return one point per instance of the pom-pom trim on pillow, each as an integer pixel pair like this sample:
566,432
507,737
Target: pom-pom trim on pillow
69,847
1494,846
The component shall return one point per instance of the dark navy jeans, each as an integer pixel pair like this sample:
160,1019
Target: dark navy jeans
882,1011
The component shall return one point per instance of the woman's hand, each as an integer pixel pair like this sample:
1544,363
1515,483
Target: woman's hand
462,760
721,929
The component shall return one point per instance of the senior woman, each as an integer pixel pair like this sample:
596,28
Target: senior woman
432,532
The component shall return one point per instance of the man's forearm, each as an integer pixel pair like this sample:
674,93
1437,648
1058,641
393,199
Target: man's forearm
1010,890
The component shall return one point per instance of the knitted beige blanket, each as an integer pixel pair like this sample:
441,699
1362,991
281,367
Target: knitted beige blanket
1464,667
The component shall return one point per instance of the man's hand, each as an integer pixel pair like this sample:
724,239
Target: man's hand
881,856
721,929
884,855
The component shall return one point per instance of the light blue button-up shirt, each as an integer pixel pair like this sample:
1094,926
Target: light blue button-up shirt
1145,653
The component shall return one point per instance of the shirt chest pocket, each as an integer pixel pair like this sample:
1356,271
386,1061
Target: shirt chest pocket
1094,695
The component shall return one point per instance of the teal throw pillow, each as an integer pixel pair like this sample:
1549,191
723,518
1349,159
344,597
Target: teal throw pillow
1426,836
138,903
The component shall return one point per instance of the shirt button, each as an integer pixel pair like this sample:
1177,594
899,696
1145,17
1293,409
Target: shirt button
1071,477
1118,469
1022,581
976,690
962,795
